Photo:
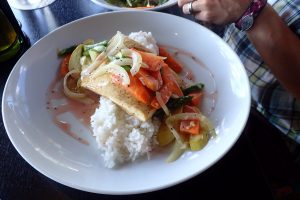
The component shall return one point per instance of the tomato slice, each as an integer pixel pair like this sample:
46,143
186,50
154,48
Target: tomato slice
165,93
197,98
191,126
157,76
153,61
148,80
168,77
190,109
135,88
171,61
64,65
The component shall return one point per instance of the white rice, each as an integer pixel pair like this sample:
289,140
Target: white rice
121,137
145,39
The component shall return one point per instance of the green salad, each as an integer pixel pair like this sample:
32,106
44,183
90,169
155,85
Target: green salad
136,3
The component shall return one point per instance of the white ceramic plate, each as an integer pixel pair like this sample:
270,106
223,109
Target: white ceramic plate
107,5
63,159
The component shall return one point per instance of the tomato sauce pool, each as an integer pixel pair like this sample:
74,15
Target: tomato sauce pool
58,104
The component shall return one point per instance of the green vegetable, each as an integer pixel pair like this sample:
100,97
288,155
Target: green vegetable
119,3
162,2
197,142
127,67
174,103
85,53
93,54
177,151
97,47
164,135
74,62
103,44
177,102
66,51
194,88
118,56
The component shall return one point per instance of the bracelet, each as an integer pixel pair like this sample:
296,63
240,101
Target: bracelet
246,21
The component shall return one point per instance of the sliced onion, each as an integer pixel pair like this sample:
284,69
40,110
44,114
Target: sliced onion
136,60
67,91
116,44
175,96
122,61
169,122
188,116
126,52
129,3
97,62
144,65
81,97
86,100
136,63
74,62
113,69
177,151
162,57
162,104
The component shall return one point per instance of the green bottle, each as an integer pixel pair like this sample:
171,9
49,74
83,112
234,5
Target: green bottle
11,35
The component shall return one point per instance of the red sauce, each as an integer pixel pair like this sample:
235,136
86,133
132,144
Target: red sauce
79,110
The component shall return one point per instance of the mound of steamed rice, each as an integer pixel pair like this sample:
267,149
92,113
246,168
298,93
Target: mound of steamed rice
121,137
146,39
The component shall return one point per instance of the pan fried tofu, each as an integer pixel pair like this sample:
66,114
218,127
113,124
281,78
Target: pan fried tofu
104,86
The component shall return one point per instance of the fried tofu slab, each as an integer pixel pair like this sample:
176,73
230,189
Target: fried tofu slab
104,86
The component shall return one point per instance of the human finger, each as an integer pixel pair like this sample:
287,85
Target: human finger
181,3
206,16
188,8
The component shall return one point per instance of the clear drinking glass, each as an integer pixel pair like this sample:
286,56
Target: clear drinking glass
29,4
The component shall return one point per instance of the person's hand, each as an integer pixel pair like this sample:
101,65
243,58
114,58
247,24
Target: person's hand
219,12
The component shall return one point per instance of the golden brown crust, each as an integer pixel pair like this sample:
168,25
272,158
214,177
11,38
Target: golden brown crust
103,85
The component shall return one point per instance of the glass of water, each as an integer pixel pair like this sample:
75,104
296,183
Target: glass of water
29,4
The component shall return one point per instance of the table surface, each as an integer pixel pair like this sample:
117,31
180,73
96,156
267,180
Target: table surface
238,174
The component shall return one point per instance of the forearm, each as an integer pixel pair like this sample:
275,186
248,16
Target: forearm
279,47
